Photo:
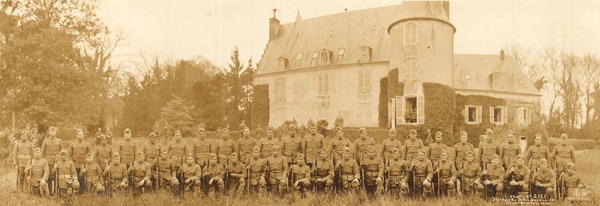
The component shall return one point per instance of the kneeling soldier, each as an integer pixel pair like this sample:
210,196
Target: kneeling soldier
116,174
518,177
422,173
38,174
544,181
93,175
256,172
166,173
191,175
373,172
66,174
397,175
235,179
349,173
140,171
323,172
493,178
300,175
214,173
446,173
569,179
470,175
277,167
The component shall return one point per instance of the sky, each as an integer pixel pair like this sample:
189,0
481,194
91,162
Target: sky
186,29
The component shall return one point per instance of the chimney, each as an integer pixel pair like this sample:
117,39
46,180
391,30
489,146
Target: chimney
502,54
273,26
446,5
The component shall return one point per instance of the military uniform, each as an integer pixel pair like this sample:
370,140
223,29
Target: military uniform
178,151
257,168
563,154
291,146
323,173
360,148
373,170
266,146
412,147
397,178
235,184
470,177
103,155
78,152
244,148
487,150
22,154
191,172
460,153
519,174
224,149
388,146
348,170
544,176
93,177
568,181
38,179
151,151
67,175
434,150
140,171
50,149
422,170
277,168
508,153
300,174
446,177
165,175
534,154
495,174
312,144
336,147
118,176
202,148
215,171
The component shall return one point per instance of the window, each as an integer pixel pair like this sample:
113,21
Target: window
411,70
498,115
340,55
279,90
472,114
496,81
323,85
282,63
298,60
410,33
468,80
325,58
410,115
364,81
365,54
363,114
410,110
313,61
523,116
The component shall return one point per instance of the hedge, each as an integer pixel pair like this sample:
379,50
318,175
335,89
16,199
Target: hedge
578,144
260,106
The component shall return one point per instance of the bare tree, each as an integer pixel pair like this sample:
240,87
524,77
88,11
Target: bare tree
589,77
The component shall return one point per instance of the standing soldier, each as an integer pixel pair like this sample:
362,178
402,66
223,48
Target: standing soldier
349,172
518,177
277,170
38,174
225,147
235,175
361,144
151,150
51,146
373,172
140,175
291,145
165,171
536,152
78,152
214,173
446,175
323,172
191,173
470,174
413,145
22,153
544,181
337,145
245,145
493,178
256,171
127,149
300,175
66,174
202,147
509,151
388,145
103,153
569,180
435,149
563,154
312,143
178,150
461,149
93,175
266,144
422,173
487,148
108,133
398,171
116,173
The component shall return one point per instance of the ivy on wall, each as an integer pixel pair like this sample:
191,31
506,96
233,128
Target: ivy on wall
260,106
383,102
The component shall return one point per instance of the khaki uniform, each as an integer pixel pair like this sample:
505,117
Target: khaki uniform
300,174
412,147
388,146
349,170
486,150
360,148
67,176
336,147
191,172
202,148
266,146
544,176
178,151
471,177
278,171
215,171
397,179
244,147
446,172
312,144
567,181
140,171
519,175
495,174
422,170
434,150
235,184
127,150
78,151
224,148
373,170
151,151
508,154
534,154
257,170
562,155
50,150
324,170
103,155
38,170
165,175
22,154
460,153
93,177
291,146
118,175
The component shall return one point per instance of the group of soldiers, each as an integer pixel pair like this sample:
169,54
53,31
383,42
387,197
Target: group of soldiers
297,165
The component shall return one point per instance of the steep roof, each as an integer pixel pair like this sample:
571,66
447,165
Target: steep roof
476,72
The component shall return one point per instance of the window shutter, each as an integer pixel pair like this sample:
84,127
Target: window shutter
491,114
528,116
504,115
420,110
520,117
466,114
392,112
400,110
479,112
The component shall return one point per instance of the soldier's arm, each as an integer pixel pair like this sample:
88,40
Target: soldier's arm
148,173
453,171
572,153
552,179
383,150
501,153
527,155
187,150
46,170
43,150
477,174
73,170
526,178
331,172
60,145
356,170
173,171
70,150
381,168
547,153
286,168
197,173
125,175
429,171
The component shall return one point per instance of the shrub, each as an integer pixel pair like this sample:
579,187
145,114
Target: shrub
578,144
260,106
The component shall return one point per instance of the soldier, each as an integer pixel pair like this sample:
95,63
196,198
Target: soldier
109,134
140,175
372,167
291,145
116,173
569,179
435,149
235,173
93,175
191,175
165,171
103,153
277,169
78,150
361,144
255,170
397,178
127,149
349,172
98,134
65,171
509,150
536,152
22,154
422,173
38,174
323,172
312,143
544,181
487,148
300,175
266,144
225,146
245,145
518,178
470,174
446,175
337,145
178,150
493,178
563,153
412,145
460,150
389,144
151,150
202,147
51,146
214,173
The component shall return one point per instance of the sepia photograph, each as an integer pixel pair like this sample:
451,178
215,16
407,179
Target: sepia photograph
299,102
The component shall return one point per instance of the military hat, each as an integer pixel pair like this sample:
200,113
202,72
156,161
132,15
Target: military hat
520,156
292,126
64,152
443,151
495,156
488,130
370,148
570,165
127,130
311,123
563,135
392,130
422,151
212,155
79,131
256,148
234,154
24,132
299,156
538,135
510,132
469,152
177,132
270,129
275,147
52,128
201,129
37,149
224,130
463,133
116,155
543,161
362,129
413,131
346,149
152,134
438,132
395,150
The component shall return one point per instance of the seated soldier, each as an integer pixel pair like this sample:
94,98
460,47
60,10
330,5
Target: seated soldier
543,181
349,173
256,172
213,171
191,175
140,175
277,168
323,172
397,174
518,177
166,175
66,174
569,179
93,175
116,173
470,175
493,178
372,167
446,174
236,174
300,175
422,173
38,174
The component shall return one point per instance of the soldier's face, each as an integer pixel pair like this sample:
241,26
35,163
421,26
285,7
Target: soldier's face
470,158
363,134
164,154
104,141
292,132
24,137
127,135
570,170
421,156
202,134
189,160
563,138
392,133
312,130
80,136
510,138
140,158
213,160
275,151
520,162
63,156
117,161
89,159
438,138
396,155
153,139
246,132
340,133
37,154
495,161
346,155
463,138
300,161
234,159
177,136
52,133
371,153
323,154
225,134
269,134
544,165
538,140
256,153
489,133
412,135
443,156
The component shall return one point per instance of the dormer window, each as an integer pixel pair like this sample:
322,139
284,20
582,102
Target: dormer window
325,58
411,70
298,60
410,33
282,63
313,61
340,55
496,80
365,54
